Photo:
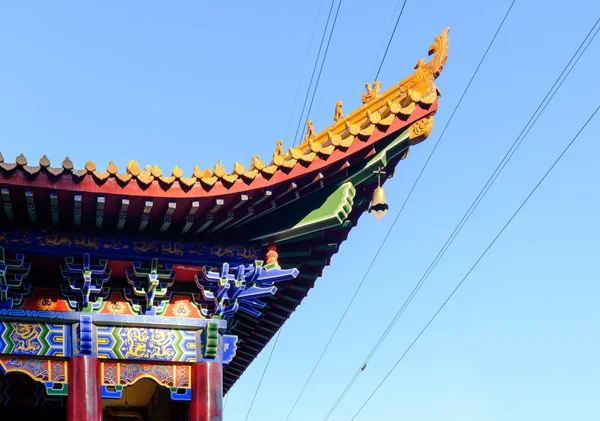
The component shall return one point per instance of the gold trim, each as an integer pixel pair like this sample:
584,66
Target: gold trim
112,168
21,161
420,130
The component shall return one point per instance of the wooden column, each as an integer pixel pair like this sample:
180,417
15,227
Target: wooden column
84,401
207,392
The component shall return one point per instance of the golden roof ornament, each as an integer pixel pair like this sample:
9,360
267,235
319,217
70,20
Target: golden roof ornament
428,71
339,114
44,161
67,164
21,160
257,164
279,149
372,93
420,130
90,166
310,131
155,171
177,172
133,168
279,155
219,169
112,168
238,168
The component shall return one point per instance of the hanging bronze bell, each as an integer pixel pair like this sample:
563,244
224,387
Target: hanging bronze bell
379,206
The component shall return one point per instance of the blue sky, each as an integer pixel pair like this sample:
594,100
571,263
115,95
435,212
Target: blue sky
191,82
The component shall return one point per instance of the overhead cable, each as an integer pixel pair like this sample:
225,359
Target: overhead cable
390,41
515,145
477,261
263,375
371,264
316,64
304,66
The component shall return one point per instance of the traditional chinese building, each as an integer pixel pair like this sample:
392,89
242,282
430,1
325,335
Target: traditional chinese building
141,294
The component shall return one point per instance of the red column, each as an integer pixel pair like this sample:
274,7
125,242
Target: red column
84,401
207,392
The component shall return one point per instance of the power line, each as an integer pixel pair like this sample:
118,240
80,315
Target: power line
289,122
311,102
477,261
533,119
263,374
323,62
383,42
304,67
314,68
390,41
226,400
395,219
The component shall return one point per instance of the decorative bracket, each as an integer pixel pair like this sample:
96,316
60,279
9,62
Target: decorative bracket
84,336
223,293
229,348
12,274
209,341
149,293
51,373
86,282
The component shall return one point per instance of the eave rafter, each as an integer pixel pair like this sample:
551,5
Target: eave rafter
148,204
233,211
77,199
100,201
30,205
168,216
8,207
123,213
189,219
247,209
208,218
54,207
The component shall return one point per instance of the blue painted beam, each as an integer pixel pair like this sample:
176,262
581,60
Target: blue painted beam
126,248
109,319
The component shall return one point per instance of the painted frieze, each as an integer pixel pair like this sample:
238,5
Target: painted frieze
116,375
133,343
34,339
52,373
